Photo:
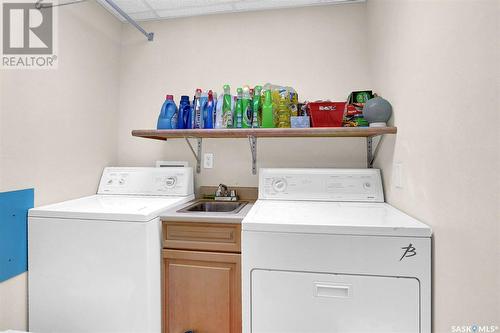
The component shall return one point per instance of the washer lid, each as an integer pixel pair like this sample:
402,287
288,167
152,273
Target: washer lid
110,207
348,218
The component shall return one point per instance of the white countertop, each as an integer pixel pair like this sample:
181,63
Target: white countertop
173,214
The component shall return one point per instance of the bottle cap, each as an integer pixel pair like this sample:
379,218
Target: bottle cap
170,97
246,91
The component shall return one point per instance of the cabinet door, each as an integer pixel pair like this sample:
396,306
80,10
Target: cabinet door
202,292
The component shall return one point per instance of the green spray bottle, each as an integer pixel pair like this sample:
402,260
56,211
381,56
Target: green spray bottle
238,112
227,112
267,111
257,107
246,105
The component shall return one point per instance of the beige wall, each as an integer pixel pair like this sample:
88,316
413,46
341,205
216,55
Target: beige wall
438,64
58,127
321,51
427,57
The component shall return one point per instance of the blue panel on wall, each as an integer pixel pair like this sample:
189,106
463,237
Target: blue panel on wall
14,207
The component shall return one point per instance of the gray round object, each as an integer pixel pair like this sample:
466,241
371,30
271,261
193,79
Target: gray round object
377,111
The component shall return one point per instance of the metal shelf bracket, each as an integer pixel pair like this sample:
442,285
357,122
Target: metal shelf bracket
372,150
197,153
253,149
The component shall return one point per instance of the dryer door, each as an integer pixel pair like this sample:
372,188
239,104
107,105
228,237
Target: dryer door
289,302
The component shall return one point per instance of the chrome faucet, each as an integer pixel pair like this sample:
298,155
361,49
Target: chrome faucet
223,193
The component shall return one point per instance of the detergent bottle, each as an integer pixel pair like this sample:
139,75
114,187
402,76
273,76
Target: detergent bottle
203,108
294,102
256,107
267,110
246,106
238,113
283,111
184,114
168,114
196,118
218,112
227,112
214,99
208,111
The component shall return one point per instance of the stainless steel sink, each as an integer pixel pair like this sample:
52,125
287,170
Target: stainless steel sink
228,207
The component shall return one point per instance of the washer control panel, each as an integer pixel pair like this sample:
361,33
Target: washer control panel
279,184
357,185
147,181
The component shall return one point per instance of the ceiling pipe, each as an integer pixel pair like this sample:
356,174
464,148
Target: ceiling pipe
149,35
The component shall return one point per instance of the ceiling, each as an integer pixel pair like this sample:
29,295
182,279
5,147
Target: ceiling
145,10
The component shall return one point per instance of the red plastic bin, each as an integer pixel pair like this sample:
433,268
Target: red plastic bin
326,114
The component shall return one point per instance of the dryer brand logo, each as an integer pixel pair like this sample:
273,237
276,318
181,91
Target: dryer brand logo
28,34
409,251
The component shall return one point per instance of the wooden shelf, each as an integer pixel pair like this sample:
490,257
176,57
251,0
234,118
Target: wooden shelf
253,133
317,132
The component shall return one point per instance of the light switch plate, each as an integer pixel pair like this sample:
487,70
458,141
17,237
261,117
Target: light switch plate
208,160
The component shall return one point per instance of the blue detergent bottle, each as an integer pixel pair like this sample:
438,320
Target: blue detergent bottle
196,113
203,108
184,115
168,114
208,111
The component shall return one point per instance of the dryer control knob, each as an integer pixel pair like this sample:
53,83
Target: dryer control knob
279,185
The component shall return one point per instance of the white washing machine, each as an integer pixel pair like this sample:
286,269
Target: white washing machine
323,253
94,262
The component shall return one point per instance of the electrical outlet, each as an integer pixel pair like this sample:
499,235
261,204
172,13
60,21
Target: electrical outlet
398,175
208,160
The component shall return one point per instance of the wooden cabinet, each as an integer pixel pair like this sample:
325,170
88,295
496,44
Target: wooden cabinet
217,237
201,277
